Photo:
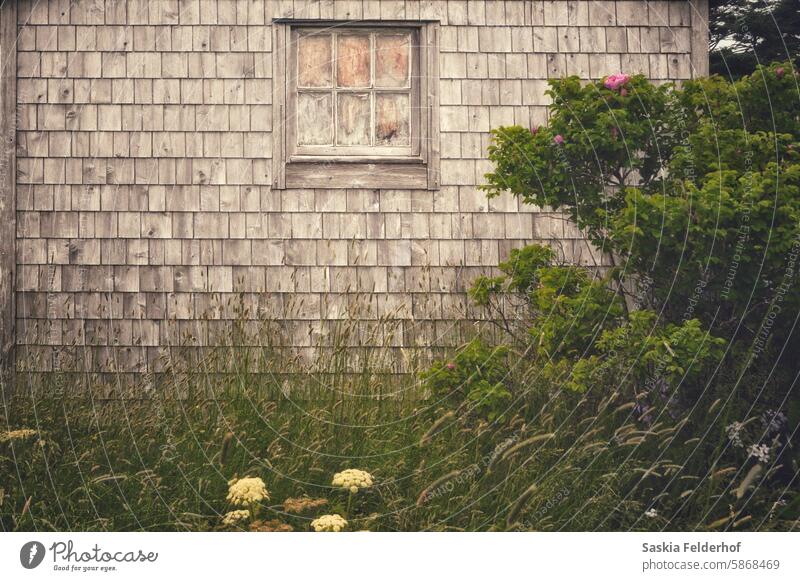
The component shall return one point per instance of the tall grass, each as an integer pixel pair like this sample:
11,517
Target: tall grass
158,454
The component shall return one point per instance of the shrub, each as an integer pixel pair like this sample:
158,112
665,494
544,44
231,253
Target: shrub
478,376
694,192
696,189
581,336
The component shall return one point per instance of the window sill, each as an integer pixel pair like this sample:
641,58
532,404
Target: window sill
396,174
335,159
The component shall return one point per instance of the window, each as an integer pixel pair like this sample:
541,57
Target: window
355,105
351,92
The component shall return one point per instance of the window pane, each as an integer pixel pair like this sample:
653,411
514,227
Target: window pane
314,60
352,66
391,60
314,119
392,119
354,119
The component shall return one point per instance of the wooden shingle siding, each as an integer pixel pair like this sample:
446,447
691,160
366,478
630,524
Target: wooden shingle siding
149,205
29,226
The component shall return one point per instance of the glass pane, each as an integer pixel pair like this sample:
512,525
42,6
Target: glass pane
352,66
314,119
354,119
392,119
314,60
391,60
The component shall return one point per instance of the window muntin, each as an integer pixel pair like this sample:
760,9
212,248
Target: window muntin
354,92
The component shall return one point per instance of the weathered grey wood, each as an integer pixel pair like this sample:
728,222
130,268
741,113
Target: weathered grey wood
148,150
280,34
699,55
8,230
357,175
350,159
432,86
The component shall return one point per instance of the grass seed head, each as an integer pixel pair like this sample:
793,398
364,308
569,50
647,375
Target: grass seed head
431,491
519,505
227,445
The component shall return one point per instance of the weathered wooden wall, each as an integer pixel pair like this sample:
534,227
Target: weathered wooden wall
8,117
143,198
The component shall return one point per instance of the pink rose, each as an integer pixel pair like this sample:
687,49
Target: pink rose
616,81
451,366
779,72
558,139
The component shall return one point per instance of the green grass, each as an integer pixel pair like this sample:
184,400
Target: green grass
553,461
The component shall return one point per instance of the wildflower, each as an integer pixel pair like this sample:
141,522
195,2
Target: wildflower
235,517
775,506
760,452
246,491
328,523
779,72
558,139
734,432
773,421
352,480
22,434
642,411
303,504
651,513
623,92
534,130
270,526
614,82
451,366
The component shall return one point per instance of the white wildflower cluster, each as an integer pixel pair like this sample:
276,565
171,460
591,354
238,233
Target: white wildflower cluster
246,491
651,513
329,523
352,480
760,452
734,432
773,421
235,517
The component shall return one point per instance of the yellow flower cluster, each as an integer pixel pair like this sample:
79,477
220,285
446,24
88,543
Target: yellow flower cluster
235,517
22,434
328,523
352,480
246,491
